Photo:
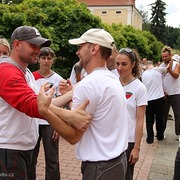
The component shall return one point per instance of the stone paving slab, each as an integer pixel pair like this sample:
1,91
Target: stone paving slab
163,164
156,160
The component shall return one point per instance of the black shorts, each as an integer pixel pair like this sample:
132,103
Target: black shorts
14,164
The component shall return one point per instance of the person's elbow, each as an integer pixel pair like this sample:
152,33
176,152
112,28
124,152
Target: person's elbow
176,76
76,138
72,140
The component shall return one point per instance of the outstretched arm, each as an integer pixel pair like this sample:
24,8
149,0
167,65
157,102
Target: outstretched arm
68,132
63,99
78,118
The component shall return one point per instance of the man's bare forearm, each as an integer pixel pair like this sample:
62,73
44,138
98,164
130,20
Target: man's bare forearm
62,100
78,118
64,114
68,132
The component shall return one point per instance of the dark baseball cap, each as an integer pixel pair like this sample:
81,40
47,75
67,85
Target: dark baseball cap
30,34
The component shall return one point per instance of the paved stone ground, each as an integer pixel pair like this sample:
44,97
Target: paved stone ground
163,164
156,160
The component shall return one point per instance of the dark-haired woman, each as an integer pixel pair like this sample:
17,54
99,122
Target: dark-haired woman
136,95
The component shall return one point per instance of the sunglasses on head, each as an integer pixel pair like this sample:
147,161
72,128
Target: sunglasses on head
128,50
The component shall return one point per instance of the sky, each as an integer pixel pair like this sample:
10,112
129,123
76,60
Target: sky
172,10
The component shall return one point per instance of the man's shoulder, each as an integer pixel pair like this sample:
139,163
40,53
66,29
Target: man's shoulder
5,66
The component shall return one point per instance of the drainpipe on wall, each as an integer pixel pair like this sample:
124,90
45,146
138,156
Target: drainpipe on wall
132,16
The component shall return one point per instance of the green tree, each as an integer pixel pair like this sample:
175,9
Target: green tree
143,41
58,20
158,21
177,46
173,37
146,21
61,20
153,45
11,1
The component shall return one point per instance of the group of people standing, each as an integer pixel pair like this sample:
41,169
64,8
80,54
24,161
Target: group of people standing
19,128
108,106
163,86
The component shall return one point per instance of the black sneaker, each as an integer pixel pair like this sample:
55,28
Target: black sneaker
149,140
160,139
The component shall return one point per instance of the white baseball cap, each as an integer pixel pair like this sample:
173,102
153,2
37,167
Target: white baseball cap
95,35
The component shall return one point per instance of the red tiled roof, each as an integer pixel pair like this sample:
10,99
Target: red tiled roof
108,2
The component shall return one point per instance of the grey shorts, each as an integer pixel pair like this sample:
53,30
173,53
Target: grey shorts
105,170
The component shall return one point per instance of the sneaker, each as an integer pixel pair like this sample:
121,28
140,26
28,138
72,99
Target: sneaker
149,140
160,139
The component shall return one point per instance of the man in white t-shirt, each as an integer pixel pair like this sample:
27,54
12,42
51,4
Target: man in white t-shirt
152,79
171,84
111,62
77,73
101,148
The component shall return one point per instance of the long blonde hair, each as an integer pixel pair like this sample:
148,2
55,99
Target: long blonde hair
5,42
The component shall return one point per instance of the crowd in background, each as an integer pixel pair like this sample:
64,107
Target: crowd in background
123,91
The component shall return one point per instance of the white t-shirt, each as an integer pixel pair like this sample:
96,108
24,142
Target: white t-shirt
73,75
136,95
171,85
107,136
55,79
152,79
115,72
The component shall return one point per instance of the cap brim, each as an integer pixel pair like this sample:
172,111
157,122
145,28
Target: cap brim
40,41
76,41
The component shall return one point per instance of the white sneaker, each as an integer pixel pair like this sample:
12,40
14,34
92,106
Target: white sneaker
178,137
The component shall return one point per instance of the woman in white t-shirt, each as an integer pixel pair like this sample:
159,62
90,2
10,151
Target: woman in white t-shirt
47,134
136,95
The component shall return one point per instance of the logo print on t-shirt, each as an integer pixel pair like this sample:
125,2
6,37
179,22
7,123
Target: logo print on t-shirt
37,32
128,95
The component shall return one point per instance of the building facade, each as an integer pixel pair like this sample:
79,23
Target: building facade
115,11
